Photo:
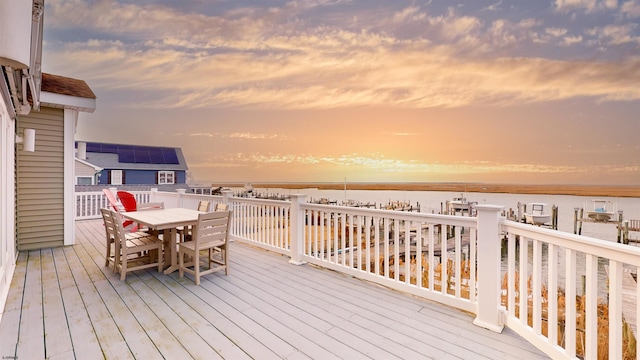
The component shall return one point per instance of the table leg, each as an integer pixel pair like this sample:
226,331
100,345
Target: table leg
171,243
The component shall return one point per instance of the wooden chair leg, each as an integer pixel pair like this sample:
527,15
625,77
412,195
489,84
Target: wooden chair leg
160,263
196,267
116,257
106,262
181,264
224,258
123,268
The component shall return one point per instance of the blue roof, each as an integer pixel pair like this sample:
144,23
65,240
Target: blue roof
136,154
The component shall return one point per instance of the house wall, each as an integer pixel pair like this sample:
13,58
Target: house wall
140,177
40,184
7,199
84,170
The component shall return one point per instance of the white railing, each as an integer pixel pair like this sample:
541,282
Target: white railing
477,264
184,200
422,254
557,298
88,204
263,223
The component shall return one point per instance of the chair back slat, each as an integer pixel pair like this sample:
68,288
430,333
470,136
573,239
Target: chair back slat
222,207
203,205
212,227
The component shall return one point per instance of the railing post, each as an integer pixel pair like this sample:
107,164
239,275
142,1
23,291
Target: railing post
489,307
226,197
297,229
154,193
180,197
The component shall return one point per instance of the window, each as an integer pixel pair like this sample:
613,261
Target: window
166,177
84,180
116,177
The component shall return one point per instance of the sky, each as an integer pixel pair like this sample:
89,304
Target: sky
537,92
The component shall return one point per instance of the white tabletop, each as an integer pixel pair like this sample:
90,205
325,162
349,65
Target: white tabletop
164,218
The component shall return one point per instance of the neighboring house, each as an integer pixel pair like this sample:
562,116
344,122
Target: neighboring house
36,177
123,164
86,173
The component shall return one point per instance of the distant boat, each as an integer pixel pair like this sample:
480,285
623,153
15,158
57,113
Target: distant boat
601,210
537,214
323,201
460,204
356,203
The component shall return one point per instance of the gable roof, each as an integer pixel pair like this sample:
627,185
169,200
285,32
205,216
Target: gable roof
140,157
63,92
88,164
66,86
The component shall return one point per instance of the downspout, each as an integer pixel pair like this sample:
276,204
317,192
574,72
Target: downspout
25,107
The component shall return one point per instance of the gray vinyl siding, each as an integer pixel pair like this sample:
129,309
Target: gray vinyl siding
84,170
40,182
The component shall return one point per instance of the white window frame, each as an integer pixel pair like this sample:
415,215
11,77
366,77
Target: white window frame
116,177
166,177
92,178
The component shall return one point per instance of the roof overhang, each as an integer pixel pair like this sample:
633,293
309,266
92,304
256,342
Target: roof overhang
67,102
95,167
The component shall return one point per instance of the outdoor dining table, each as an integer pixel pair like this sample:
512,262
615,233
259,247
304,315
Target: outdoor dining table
167,221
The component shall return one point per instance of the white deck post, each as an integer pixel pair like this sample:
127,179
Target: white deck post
297,229
488,312
153,195
226,197
180,193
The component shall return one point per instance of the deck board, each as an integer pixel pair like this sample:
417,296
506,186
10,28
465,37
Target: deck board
58,341
31,320
265,308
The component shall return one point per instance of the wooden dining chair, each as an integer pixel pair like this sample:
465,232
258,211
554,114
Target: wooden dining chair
221,207
110,229
135,253
211,233
203,205
110,232
183,231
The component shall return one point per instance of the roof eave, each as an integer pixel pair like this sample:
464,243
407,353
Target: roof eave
67,102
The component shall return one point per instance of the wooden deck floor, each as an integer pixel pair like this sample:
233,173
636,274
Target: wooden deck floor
64,304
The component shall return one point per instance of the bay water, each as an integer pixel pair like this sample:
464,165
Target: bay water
434,201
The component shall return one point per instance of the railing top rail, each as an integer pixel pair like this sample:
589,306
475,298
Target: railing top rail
190,195
284,203
395,214
601,248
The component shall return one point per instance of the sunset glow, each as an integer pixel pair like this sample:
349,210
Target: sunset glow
316,90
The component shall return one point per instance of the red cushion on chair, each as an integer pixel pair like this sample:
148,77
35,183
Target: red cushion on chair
129,202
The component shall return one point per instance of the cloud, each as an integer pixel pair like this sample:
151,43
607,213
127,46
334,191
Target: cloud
409,14
242,136
631,9
404,134
556,32
378,163
616,34
586,5
274,58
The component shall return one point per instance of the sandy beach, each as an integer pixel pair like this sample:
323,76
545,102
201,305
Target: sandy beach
578,190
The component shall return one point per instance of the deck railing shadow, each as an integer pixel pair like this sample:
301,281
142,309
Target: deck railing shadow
544,284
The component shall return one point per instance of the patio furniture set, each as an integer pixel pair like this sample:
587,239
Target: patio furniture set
141,236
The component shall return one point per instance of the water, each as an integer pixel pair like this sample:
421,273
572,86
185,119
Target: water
432,202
